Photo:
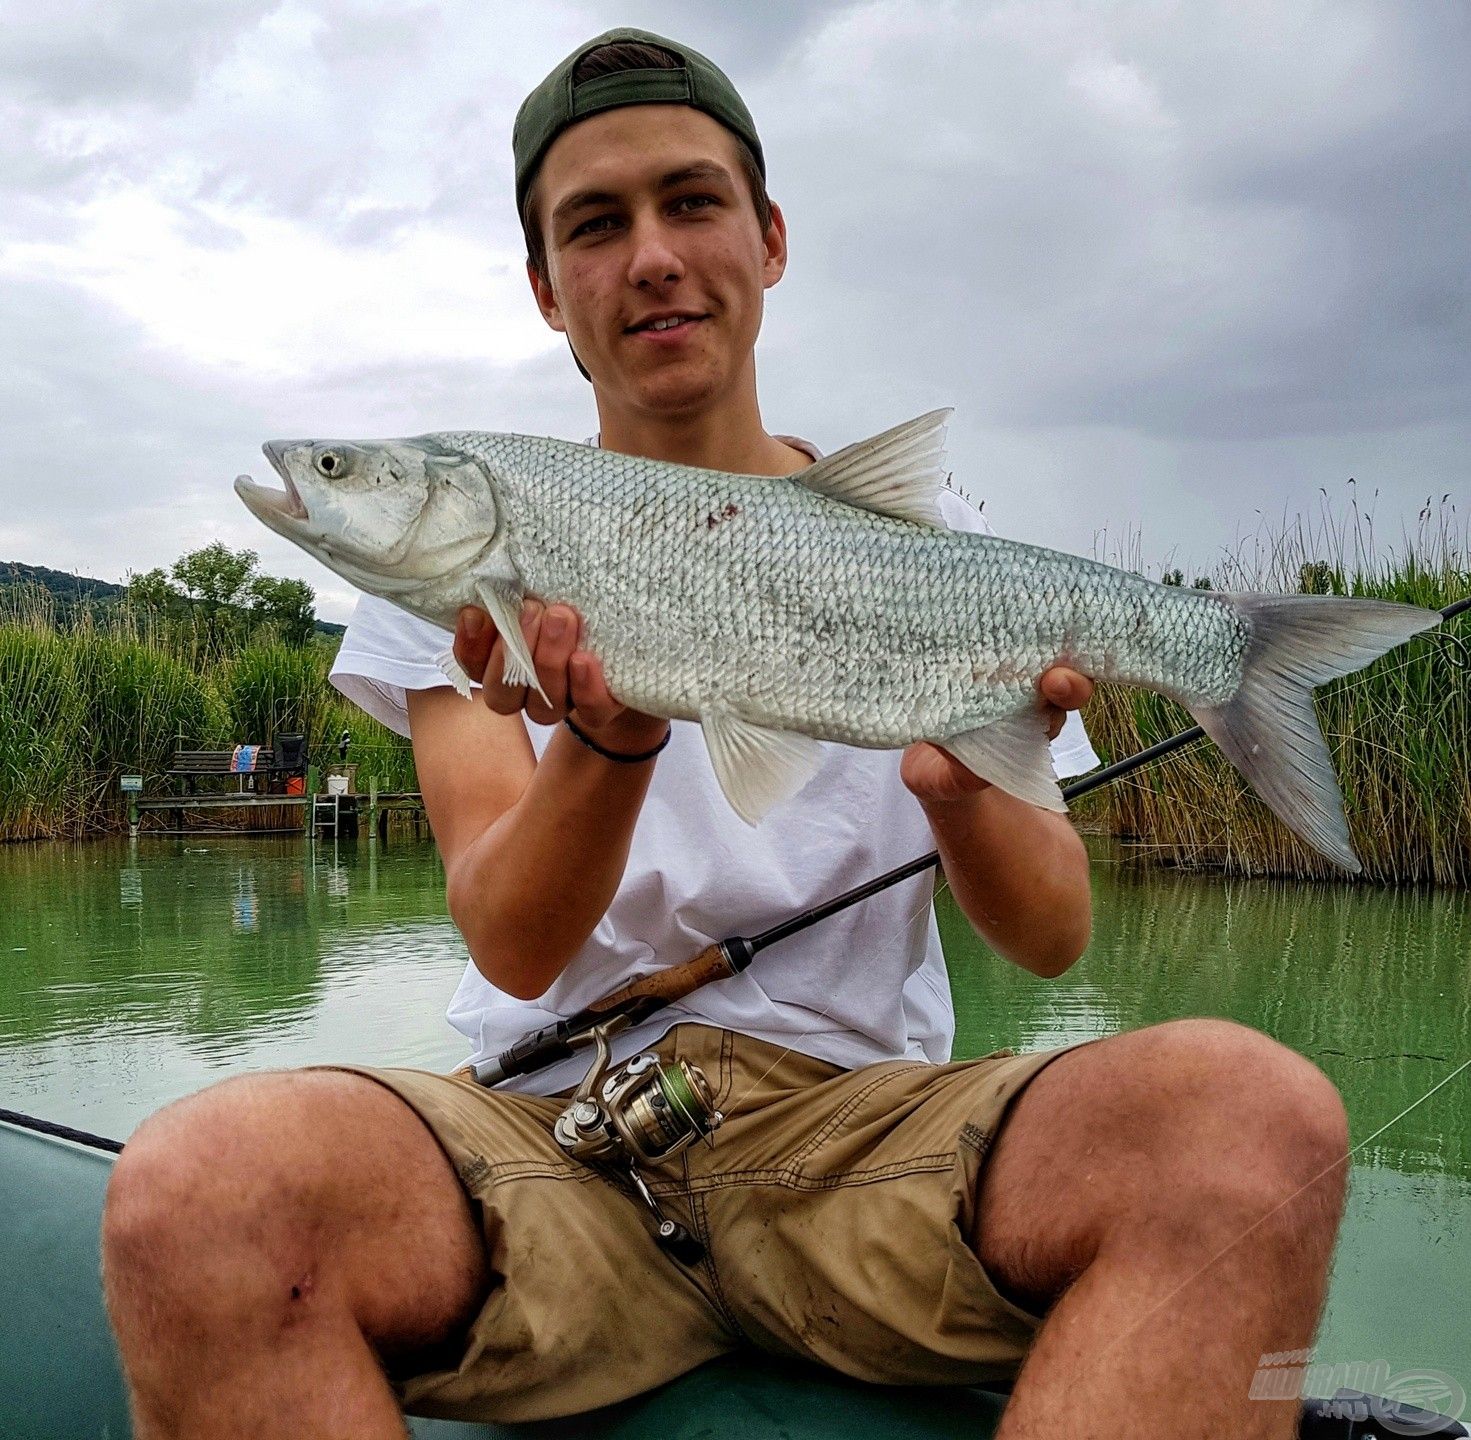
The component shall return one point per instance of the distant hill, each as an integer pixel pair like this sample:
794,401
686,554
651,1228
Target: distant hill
81,591
67,588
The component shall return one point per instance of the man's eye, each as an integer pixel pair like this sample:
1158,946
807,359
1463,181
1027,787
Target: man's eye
590,227
695,201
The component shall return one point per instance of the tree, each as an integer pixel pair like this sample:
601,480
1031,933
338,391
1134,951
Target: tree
225,590
217,575
219,581
288,604
153,590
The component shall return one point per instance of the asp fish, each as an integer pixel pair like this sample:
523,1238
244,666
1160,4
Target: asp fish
828,605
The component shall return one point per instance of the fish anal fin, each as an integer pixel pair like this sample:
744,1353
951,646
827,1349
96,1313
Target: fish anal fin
1014,755
899,472
757,767
453,671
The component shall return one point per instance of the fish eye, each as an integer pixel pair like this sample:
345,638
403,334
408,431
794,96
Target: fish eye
329,463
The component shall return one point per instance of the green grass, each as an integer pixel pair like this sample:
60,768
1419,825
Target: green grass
89,698
1400,731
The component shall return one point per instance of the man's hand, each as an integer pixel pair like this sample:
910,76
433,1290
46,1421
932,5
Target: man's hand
572,678
934,775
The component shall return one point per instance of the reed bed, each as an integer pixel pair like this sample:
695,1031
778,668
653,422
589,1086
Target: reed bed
86,699
1400,731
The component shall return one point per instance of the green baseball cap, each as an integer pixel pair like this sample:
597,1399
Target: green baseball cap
557,103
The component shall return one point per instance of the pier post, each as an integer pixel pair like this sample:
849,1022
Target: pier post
309,802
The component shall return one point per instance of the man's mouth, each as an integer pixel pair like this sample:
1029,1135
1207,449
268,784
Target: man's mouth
668,324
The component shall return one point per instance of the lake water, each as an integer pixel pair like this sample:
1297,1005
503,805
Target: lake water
135,972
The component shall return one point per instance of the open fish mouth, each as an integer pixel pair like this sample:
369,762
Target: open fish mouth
286,503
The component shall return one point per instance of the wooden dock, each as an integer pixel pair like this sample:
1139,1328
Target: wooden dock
321,814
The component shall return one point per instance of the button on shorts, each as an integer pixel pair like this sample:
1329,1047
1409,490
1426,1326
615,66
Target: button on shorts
834,1206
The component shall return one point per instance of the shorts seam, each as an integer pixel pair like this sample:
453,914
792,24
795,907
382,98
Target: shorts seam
717,1290
505,1170
841,1114
731,1179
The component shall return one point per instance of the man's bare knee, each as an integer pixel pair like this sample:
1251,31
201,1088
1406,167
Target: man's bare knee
1170,1131
273,1196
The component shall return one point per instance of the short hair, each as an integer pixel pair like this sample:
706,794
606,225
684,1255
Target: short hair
611,60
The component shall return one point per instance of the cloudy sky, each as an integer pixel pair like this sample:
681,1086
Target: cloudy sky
1179,267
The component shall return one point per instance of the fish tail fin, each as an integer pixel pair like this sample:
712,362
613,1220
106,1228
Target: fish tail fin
1268,728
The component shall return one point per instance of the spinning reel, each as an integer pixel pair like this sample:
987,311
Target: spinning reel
640,1112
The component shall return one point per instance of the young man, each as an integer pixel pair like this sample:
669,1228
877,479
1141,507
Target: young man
302,1252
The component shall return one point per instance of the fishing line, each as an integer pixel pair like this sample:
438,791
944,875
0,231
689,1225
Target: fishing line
925,905
1307,1184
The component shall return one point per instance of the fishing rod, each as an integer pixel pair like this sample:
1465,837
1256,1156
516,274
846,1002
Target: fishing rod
632,1003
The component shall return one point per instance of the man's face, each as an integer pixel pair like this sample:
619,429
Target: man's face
646,212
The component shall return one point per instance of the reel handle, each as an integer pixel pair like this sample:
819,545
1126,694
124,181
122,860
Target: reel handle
673,1237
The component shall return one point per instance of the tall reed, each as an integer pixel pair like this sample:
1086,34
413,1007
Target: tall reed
87,698
1399,731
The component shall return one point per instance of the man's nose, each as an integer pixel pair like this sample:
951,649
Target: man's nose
655,260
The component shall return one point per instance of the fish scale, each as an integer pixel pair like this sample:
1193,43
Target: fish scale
810,615
831,605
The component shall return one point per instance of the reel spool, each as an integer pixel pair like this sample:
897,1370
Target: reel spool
641,1112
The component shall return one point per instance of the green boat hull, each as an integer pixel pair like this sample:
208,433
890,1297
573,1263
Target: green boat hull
59,1378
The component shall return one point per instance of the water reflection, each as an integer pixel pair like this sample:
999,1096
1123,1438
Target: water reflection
139,972
133,974
1369,983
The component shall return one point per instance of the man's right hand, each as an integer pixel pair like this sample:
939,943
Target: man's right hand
571,677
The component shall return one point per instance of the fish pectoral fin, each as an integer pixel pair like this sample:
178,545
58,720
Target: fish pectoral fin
1014,755
900,472
453,671
504,607
757,767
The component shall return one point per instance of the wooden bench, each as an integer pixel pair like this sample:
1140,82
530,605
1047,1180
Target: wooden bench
191,764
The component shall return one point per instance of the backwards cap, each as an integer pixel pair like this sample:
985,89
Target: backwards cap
557,103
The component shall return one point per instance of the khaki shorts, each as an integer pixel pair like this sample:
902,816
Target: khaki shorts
833,1206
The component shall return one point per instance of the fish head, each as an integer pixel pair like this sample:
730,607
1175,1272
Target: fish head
375,511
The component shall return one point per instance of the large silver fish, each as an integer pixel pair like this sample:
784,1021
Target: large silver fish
831,605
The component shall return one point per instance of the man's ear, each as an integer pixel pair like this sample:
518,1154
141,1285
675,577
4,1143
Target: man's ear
775,239
546,299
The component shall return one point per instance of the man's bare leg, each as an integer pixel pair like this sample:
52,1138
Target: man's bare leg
1121,1174
266,1241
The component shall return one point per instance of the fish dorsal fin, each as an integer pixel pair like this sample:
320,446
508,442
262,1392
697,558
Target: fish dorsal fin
1013,754
757,767
900,472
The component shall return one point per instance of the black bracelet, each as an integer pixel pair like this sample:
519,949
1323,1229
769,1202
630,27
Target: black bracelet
613,755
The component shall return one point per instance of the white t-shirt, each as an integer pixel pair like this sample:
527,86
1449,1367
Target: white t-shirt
864,985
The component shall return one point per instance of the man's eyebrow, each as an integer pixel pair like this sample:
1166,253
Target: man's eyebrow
698,170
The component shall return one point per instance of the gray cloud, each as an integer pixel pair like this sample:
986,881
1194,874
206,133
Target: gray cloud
92,53
1176,267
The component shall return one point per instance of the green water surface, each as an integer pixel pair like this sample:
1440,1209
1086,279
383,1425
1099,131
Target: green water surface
135,972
